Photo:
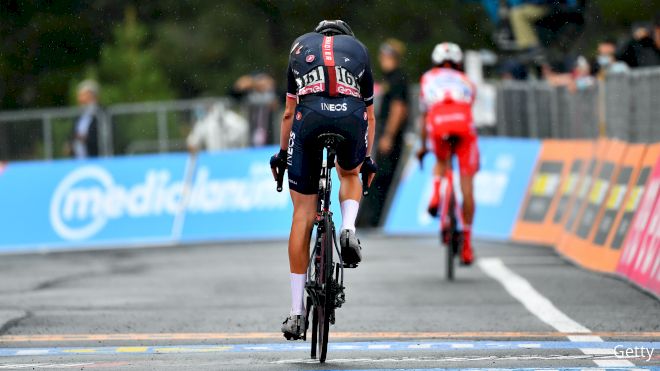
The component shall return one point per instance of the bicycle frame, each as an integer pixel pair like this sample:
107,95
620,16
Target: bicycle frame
450,218
325,293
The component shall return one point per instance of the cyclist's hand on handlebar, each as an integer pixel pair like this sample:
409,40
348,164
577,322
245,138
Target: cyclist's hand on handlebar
278,164
369,169
420,156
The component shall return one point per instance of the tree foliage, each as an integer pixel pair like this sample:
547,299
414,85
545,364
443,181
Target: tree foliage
198,47
128,70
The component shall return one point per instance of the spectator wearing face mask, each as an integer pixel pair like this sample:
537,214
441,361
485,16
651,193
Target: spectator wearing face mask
582,74
606,61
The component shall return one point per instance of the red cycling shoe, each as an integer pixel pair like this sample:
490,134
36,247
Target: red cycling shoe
467,255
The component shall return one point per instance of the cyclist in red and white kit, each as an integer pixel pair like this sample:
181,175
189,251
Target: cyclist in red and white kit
446,98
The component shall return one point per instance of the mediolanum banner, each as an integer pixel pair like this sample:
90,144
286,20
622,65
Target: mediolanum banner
141,200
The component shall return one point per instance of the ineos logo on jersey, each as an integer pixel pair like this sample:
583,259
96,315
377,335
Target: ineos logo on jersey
289,150
334,107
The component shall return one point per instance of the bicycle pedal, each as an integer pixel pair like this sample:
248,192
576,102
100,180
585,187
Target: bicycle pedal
346,265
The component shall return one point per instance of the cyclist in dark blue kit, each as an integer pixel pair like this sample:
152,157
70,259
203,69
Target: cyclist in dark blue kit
329,90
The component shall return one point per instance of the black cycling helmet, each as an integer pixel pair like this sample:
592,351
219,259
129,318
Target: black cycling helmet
334,27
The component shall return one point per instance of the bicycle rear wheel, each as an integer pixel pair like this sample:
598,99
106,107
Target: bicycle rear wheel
326,306
452,249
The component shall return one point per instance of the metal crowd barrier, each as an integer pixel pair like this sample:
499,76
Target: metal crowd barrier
623,106
161,125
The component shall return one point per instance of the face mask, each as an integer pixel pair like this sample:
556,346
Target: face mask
604,60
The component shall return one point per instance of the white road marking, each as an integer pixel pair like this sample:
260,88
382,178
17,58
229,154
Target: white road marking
439,359
585,338
598,351
32,352
523,291
14,366
540,306
420,346
462,346
529,346
379,346
613,363
345,347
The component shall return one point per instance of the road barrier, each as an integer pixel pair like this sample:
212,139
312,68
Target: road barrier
607,212
555,178
640,259
591,197
597,202
505,168
141,200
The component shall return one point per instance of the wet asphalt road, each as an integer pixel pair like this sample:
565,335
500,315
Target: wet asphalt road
220,307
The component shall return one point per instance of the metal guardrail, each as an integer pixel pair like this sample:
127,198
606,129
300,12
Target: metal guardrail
623,105
163,119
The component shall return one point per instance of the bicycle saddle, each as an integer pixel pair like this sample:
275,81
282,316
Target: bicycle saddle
330,139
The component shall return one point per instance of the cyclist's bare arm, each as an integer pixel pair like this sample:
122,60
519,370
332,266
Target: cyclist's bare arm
287,122
371,119
422,130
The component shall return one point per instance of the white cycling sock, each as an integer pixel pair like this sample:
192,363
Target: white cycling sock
349,210
297,293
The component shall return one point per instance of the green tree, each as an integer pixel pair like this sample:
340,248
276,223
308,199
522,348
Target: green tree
128,69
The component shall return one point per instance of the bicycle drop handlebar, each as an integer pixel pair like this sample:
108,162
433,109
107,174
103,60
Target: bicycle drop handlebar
280,178
365,173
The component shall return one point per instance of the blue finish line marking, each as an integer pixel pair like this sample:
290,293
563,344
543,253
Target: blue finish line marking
654,368
346,346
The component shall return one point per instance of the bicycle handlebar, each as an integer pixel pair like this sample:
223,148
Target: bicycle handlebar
280,178
365,180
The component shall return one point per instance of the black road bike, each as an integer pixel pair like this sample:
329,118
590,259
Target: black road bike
325,276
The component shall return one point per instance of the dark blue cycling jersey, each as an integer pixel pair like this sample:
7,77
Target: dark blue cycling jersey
330,66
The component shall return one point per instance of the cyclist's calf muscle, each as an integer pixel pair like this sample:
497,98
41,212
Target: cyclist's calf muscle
304,212
467,188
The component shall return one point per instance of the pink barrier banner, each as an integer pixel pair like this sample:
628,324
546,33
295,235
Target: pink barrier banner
640,260
650,262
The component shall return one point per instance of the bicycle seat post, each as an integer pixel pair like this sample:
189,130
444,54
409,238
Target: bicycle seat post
330,142
331,157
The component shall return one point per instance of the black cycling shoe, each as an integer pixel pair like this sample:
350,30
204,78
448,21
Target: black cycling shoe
350,249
